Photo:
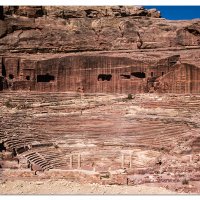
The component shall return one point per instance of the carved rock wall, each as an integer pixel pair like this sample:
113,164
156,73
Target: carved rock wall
35,43
98,73
183,79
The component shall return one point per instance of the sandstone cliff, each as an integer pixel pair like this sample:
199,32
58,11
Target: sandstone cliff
65,29
102,49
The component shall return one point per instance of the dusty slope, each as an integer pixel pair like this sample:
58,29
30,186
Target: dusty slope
64,187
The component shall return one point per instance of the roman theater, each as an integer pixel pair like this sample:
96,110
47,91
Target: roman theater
99,95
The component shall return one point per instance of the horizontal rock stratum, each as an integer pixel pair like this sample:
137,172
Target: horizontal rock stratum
126,49
63,29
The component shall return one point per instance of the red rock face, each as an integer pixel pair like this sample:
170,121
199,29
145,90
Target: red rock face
99,138
85,72
137,50
183,79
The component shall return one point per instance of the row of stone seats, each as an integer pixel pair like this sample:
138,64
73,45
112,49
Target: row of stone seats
103,127
181,103
56,158
35,97
99,159
36,158
76,129
18,137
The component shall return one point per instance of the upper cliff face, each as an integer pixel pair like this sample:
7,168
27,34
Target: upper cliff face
66,29
81,11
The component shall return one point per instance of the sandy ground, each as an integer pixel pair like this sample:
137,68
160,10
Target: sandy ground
65,187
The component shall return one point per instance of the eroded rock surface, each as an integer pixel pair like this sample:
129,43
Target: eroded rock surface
104,139
63,29
89,136
113,49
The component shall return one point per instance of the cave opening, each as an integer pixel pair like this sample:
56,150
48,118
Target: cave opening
2,147
125,76
14,152
104,77
39,13
1,13
163,73
45,78
28,78
11,76
3,69
18,68
139,74
1,83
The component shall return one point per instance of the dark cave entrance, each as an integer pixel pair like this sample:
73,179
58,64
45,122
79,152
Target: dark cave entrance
39,13
11,76
139,74
1,13
1,83
104,77
3,69
45,78
18,68
28,78
2,147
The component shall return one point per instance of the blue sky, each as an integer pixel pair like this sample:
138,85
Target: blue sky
178,12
